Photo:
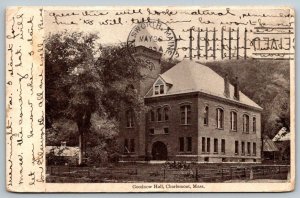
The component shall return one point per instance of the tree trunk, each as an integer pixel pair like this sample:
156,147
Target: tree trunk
80,155
83,125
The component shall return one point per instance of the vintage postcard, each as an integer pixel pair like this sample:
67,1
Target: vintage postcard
150,99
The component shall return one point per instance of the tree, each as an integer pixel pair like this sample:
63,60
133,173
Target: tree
83,78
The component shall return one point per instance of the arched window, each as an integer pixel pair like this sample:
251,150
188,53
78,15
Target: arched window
185,114
152,116
233,121
166,113
159,115
254,124
245,123
205,119
220,118
129,118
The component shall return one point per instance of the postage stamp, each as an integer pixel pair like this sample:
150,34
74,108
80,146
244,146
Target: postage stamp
150,99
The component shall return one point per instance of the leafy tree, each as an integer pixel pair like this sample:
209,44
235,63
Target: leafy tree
84,78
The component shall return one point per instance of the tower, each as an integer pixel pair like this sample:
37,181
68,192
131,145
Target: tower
134,135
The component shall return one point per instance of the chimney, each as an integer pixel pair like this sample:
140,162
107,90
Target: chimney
226,86
236,89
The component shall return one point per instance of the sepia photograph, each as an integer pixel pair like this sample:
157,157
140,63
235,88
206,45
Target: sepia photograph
150,99
141,111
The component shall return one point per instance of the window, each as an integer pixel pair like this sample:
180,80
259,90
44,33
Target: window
129,147
188,147
129,119
161,89
156,90
166,130
245,123
208,145
254,148
223,146
151,131
254,124
126,149
159,116
236,147
185,114
216,146
152,116
233,121
181,144
248,148
205,120
243,148
189,144
220,118
132,145
166,113
203,144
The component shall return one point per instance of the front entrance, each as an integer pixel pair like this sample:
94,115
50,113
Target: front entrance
159,151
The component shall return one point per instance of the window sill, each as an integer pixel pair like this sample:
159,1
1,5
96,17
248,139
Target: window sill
233,130
159,134
185,124
236,154
216,153
184,152
220,128
129,127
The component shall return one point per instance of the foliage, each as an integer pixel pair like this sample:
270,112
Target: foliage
84,78
267,83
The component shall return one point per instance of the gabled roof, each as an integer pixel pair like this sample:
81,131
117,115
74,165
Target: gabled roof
190,76
269,145
282,135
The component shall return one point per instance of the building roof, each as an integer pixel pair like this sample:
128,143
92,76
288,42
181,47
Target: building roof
282,135
190,76
269,145
64,151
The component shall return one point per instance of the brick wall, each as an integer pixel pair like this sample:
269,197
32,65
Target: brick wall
226,133
176,129
197,130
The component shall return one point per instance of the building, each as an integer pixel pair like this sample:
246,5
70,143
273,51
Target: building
270,150
61,155
283,142
193,114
